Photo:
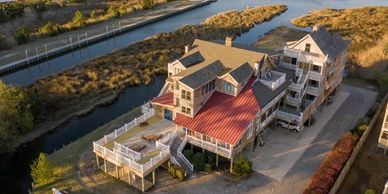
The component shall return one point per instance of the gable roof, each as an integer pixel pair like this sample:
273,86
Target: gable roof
230,57
165,99
330,44
203,75
192,59
264,94
223,116
241,73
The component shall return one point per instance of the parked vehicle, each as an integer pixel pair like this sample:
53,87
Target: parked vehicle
292,126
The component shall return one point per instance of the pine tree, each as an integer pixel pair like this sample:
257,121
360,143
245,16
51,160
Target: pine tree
42,169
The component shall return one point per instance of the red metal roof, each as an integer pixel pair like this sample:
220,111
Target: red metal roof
165,99
224,117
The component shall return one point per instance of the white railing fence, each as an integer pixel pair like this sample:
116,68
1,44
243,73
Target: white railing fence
181,156
210,146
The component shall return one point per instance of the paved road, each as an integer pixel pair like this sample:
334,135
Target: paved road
355,106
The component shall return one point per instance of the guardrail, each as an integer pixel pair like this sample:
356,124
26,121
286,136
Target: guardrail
356,149
181,156
128,151
210,146
274,83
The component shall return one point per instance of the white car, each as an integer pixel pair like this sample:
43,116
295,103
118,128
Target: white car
291,126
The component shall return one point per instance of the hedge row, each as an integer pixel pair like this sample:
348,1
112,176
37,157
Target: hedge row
332,165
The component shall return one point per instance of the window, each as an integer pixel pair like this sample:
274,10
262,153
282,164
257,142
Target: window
293,94
307,48
313,83
286,59
208,87
293,61
384,136
228,87
186,95
310,97
186,110
213,84
316,68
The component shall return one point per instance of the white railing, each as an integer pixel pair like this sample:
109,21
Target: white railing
123,158
146,108
147,113
210,146
313,90
132,153
293,100
181,156
268,120
275,83
315,75
304,56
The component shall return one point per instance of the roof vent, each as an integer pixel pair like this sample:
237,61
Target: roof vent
229,41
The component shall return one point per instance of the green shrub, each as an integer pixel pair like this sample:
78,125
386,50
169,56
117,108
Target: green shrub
93,14
22,35
172,170
180,173
42,169
79,19
370,191
50,29
208,167
242,167
362,125
199,161
146,4
113,12
188,154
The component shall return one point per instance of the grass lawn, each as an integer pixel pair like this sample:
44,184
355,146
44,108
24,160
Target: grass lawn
276,38
370,169
65,159
130,133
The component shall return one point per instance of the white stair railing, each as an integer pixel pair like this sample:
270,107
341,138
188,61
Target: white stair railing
181,156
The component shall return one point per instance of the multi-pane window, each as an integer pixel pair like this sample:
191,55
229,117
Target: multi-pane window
293,61
186,110
313,83
310,97
208,87
228,87
293,94
307,48
316,68
186,95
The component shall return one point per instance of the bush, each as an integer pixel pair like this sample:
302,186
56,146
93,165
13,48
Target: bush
331,167
208,167
42,169
199,161
79,19
242,167
188,154
370,191
177,172
113,12
361,126
146,4
93,14
22,35
50,29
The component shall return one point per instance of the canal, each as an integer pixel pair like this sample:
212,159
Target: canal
14,168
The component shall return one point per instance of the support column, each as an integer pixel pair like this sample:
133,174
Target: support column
98,162
231,165
216,160
129,177
153,177
117,172
142,184
105,165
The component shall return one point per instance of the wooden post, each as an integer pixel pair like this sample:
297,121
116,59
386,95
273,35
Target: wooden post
153,177
231,165
142,184
105,165
98,162
117,171
129,177
216,160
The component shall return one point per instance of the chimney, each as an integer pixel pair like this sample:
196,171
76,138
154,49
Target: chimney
187,48
229,41
316,27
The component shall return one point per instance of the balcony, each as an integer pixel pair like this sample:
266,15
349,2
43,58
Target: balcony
289,114
313,90
293,100
273,79
303,56
315,75
210,146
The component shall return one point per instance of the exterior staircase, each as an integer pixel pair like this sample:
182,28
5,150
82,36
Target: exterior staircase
174,149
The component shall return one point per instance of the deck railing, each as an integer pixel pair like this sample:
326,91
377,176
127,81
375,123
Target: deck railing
273,84
181,156
124,149
210,146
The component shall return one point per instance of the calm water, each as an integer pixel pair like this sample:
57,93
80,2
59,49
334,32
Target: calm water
14,169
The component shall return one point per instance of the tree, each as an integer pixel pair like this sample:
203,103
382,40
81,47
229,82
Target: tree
22,35
42,169
242,167
50,29
113,12
78,19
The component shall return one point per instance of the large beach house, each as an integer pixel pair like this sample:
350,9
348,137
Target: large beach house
220,96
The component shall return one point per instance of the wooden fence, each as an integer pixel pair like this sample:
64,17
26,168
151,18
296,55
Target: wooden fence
356,149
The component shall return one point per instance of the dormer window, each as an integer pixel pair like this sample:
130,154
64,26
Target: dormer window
228,87
307,48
